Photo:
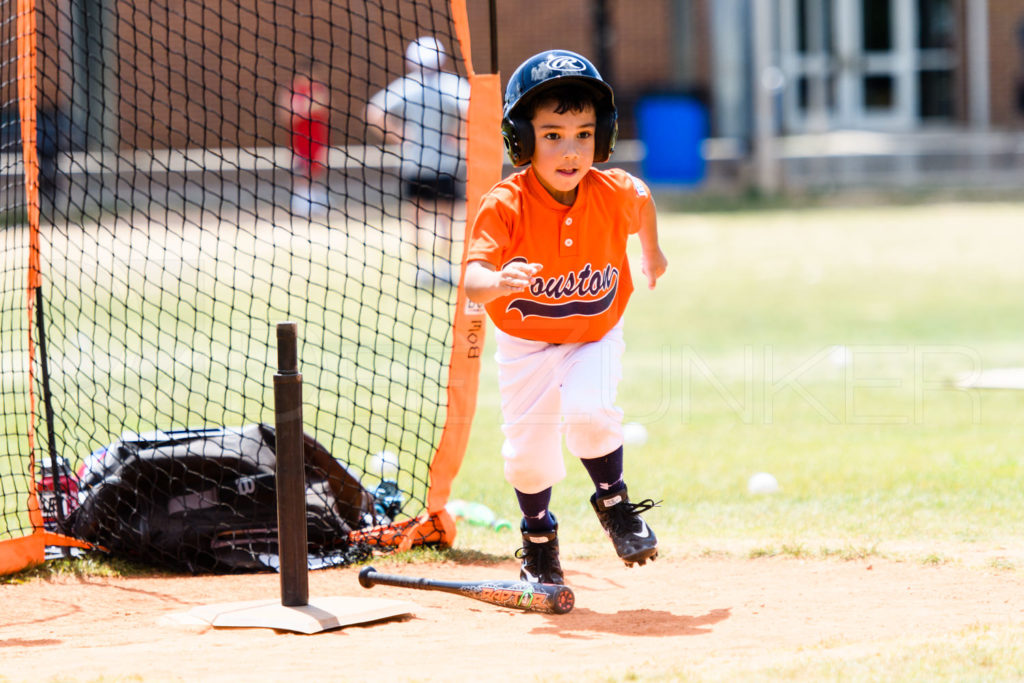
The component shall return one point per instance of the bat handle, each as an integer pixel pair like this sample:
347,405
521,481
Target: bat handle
371,577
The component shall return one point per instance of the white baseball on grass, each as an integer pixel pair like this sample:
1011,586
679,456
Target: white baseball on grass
384,464
762,482
840,355
634,434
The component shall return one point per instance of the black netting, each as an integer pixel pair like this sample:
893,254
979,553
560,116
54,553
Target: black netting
208,170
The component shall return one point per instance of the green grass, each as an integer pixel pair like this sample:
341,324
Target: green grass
732,366
816,344
161,327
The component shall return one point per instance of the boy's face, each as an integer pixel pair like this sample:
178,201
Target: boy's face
563,148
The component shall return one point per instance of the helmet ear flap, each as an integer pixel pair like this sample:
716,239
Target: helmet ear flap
606,133
518,135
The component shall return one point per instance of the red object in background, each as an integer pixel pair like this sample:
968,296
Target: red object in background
310,127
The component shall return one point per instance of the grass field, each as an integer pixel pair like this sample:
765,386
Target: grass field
821,346
156,325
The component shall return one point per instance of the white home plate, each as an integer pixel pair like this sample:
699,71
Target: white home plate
320,614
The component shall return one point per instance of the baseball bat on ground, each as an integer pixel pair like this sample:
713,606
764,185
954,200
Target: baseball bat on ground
532,597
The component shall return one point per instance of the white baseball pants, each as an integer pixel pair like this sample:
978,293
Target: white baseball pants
548,390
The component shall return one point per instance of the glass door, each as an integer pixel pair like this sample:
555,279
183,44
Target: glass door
811,63
877,84
884,65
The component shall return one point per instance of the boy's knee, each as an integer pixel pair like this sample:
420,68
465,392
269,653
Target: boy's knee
533,470
529,478
598,436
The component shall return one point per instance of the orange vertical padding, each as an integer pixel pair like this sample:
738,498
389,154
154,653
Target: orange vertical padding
28,105
484,155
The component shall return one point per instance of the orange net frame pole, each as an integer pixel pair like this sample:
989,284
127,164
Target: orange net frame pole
19,553
484,156
484,160
26,551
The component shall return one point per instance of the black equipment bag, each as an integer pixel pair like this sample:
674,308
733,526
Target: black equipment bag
204,500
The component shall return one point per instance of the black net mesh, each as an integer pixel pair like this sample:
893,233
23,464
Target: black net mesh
208,170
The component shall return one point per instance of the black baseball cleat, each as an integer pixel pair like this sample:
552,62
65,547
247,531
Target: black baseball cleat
540,557
634,541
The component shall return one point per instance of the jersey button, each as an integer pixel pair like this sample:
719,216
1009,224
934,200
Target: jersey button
568,221
568,242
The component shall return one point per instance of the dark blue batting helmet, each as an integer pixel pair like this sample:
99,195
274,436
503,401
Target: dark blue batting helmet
540,74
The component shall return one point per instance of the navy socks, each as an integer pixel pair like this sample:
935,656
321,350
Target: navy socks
606,472
534,507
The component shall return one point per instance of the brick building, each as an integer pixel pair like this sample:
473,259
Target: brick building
918,69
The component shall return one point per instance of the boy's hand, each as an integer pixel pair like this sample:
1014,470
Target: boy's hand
517,276
654,265
485,284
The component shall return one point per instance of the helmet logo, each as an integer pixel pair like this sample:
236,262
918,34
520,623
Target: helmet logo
566,63
557,63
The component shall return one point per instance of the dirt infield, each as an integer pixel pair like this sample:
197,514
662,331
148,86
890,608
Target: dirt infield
700,615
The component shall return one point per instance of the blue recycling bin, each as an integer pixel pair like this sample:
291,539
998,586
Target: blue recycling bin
673,128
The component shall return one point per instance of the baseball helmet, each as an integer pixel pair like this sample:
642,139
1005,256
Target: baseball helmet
536,76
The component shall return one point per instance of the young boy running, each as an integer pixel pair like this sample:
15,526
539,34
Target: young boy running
548,259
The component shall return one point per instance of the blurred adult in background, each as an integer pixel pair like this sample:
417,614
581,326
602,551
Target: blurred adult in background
304,107
424,112
47,147
1020,73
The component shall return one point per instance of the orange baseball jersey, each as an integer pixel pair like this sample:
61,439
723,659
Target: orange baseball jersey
584,284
